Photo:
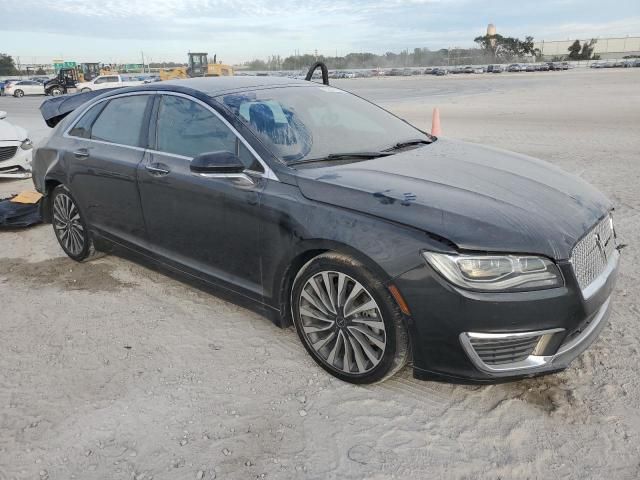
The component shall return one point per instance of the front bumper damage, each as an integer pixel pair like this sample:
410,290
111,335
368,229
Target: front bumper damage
488,337
18,166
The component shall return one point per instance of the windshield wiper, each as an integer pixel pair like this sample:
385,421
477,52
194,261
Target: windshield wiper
343,156
409,143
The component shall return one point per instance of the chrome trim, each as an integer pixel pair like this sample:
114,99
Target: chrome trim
234,176
268,172
601,279
537,363
531,362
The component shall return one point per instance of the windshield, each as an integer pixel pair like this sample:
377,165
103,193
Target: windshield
310,123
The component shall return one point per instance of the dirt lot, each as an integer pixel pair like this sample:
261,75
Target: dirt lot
111,370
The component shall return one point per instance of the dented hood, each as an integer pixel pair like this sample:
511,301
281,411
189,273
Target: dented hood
477,197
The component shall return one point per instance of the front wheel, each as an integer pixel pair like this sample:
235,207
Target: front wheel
69,227
18,94
85,90
55,91
348,321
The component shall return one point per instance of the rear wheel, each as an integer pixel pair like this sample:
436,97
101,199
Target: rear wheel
69,227
18,93
85,90
55,91
348,321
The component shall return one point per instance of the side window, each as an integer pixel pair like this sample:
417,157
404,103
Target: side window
100,80
112,79
121,120
82,128
188,129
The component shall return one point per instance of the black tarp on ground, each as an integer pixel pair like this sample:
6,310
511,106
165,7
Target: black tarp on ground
18,215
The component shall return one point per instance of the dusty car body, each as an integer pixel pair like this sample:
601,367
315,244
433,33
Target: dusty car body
495,264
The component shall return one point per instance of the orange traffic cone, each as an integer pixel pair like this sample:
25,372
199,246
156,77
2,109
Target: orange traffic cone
436,131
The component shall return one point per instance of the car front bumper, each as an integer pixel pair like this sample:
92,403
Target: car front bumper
19,165
487,337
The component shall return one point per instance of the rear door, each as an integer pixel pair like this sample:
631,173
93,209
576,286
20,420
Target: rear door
106,148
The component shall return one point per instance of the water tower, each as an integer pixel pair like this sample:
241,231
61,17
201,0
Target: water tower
491,31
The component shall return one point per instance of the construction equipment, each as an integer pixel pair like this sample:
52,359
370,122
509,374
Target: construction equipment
199,66
65,82
88,71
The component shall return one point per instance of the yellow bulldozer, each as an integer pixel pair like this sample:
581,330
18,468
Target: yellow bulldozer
89,71
198,66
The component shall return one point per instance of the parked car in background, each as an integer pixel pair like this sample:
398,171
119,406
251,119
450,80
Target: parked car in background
530,67
543,67
16,150
337,227
495,69
24,87
468,69
440,72
514,67
428,70
108,81
395,72
40,79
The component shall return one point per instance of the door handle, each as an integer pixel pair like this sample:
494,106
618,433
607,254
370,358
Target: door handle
81,153
157,169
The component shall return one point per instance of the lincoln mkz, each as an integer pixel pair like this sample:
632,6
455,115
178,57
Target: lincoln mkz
381,243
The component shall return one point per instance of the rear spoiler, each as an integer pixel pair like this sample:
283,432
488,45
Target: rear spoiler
55,109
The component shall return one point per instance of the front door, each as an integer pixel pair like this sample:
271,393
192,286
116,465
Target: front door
209,225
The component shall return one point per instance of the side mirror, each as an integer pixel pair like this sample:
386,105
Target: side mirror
223,163
3,114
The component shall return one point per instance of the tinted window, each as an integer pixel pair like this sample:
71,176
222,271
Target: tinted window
121,121
112,79
100,80
306,123
82,129
186,128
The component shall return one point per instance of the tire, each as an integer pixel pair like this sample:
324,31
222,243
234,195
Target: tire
69,227
85,90
356,345
55,91
18,94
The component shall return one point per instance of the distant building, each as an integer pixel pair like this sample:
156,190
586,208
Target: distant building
604,47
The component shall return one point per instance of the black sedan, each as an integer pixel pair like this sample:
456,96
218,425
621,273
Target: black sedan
379,242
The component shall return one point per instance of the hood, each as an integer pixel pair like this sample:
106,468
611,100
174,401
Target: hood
477,197
10,132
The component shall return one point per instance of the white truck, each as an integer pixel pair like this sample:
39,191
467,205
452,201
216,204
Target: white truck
108,81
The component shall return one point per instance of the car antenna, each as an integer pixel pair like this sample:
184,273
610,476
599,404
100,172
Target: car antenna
323,68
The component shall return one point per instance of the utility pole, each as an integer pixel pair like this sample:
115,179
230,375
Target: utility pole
142,54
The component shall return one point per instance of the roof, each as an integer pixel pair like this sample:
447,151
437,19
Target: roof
218,85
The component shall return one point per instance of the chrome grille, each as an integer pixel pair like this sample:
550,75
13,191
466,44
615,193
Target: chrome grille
496,351
7,152
591,254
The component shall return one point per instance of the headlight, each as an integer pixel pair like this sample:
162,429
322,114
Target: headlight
496,273
26,144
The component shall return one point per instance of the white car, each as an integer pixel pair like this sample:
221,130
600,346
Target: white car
108,81
24,87
16,150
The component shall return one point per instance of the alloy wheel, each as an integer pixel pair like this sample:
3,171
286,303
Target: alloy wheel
342,322
67,224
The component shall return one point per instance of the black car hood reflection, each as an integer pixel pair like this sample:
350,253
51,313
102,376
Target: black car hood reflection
477,197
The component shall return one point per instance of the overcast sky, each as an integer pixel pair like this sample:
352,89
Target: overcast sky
113,31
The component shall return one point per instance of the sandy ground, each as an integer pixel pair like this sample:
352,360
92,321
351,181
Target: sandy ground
111,370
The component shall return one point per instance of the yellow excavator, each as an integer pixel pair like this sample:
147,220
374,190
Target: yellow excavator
89,71
198,66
